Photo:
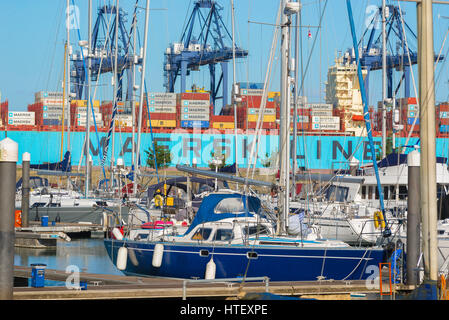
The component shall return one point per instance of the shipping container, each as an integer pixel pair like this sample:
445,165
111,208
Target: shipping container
167,96
195,103
195,116
162,123
21,121
201,110
162,109
267,111
194,124
326,120
223,125
194,96
161,116
411,120
266,118
51,122
444,128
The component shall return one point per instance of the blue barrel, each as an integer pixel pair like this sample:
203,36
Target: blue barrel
44,221
38,275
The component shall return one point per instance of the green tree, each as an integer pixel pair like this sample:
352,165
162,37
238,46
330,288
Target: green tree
223,161
163,156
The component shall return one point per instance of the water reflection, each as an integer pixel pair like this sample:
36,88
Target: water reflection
89,255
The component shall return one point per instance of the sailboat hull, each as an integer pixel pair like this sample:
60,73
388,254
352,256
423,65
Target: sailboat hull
186,260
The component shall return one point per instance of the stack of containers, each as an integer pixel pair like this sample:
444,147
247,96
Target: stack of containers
20,118
162,108
78,113
443,118
222,122
3,113
248,112
409,110
52,107
323,118
195,110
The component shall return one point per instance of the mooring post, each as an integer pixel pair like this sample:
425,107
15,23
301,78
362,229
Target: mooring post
8,162
413,217
25,188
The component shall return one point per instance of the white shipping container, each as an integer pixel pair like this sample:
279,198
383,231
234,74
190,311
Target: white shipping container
162,103
195,103
162,96
267,111
54,108
47,94
52,115
251,92
83,115
321,113
21,121
21,115
195,116
194,110
84,109
83,122
330,126
161,109
320,106
124,117
326,120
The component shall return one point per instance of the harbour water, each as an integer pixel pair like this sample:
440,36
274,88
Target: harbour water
85,255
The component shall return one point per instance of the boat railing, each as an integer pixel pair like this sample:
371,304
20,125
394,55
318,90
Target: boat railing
390,224
265,279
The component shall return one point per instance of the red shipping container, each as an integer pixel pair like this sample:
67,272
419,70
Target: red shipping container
195,96
163,116
220,118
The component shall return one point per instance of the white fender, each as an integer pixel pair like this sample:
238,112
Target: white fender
210,270
157,255
122,256
117,234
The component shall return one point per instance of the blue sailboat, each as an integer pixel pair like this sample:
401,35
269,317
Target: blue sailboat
231,237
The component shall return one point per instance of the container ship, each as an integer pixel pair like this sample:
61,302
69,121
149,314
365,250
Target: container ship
328,133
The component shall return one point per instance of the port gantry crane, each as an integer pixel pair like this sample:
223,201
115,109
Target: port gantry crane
207,47
400,55
103,53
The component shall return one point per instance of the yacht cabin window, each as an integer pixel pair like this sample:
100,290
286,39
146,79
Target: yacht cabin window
337,193
202,234
223,235
255,230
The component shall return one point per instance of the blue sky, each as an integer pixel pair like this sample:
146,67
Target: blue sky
32,36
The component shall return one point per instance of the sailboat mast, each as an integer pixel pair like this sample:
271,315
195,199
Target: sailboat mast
384,81
284,127
234,89
133,105
427,137
69,52
142,87
115,80
89,61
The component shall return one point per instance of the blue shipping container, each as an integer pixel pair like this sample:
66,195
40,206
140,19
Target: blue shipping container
444,128
194,124
410,121
51,122
251,85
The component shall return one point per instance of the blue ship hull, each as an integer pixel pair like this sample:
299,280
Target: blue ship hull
183,260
